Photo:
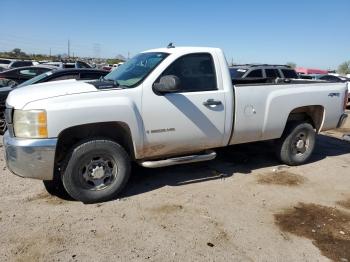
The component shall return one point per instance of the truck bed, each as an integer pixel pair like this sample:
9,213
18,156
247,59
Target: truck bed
262,109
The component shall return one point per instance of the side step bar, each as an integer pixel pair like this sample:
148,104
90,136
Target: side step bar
208,155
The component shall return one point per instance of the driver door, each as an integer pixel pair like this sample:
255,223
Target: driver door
189,120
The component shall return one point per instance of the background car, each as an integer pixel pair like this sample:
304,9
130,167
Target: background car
77,64
7,82
261,73
333,79
21,74
54,74
115,66
329,78
6,64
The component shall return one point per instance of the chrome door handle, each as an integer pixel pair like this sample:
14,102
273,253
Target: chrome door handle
212,102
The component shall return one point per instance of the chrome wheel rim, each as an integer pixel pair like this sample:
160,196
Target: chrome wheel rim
98,173
301,143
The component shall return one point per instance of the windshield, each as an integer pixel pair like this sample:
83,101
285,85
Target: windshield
237,72
36,79
135,70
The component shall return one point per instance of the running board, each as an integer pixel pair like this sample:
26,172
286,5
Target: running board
208,155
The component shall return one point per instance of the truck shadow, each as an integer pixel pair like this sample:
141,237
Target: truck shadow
243,158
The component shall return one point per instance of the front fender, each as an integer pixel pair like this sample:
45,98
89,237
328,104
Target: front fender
88,108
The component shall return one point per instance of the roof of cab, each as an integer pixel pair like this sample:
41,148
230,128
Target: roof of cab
183,49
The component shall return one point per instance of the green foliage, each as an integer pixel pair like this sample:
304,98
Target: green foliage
292,65
19,54
344,68
113,61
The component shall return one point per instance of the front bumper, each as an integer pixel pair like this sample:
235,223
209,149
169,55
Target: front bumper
32,158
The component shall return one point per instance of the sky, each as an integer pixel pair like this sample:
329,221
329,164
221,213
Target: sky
310,33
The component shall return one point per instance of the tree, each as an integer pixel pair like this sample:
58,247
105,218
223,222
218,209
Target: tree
292,65
16,51
344,68
114,61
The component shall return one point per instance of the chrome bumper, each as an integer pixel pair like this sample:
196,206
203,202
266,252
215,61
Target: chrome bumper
32,158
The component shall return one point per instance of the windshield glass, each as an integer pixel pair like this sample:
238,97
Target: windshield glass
135,70
237,72
36,79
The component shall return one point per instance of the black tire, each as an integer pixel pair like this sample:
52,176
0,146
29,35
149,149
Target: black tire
297,143
96,171
3,125
55,187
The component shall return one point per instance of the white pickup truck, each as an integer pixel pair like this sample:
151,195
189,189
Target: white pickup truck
163,107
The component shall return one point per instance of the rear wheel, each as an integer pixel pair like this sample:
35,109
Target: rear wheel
297,143
96,171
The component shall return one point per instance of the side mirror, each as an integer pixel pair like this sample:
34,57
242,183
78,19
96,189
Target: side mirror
167,84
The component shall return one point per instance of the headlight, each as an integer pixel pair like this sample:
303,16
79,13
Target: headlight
30,123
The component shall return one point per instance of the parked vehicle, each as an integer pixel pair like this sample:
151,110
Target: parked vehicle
7,64
21,74
77,64
163,107
303,76
332,79
107,67
260,73
6,82
115,66
329,78
4,63
54,75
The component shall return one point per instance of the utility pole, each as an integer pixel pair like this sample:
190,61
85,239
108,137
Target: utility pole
68,48
50,52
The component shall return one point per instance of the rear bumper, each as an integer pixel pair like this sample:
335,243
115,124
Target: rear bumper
31,158
342,120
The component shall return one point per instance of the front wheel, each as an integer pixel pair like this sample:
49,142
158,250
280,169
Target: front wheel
3,125
297,143
96,171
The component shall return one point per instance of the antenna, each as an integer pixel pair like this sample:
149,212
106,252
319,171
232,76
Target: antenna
170,45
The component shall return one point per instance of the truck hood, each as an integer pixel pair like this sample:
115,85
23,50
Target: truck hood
21,96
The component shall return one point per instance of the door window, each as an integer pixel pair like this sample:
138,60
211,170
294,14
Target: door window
289,73
255,74
272,73
31,72
195,71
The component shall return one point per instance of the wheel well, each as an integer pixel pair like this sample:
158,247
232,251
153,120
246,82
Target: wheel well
116,131
312,114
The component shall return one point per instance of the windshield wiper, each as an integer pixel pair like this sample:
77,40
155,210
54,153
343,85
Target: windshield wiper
115,82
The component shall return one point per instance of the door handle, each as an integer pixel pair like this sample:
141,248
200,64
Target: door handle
211,102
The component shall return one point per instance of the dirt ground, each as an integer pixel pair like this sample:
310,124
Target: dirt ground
243,206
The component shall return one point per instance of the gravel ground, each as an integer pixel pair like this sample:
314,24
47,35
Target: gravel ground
243,206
